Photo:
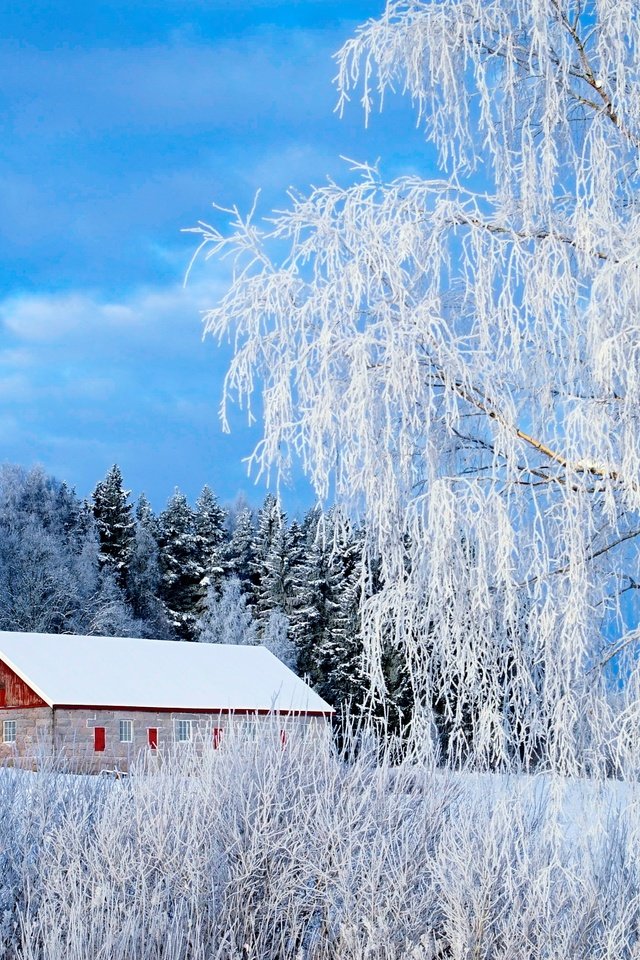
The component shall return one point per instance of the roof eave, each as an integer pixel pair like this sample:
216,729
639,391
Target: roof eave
243,711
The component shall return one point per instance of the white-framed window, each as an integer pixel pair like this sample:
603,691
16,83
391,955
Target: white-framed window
250,729
126,731
9,731
183,731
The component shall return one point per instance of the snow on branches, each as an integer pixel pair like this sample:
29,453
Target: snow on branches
456,358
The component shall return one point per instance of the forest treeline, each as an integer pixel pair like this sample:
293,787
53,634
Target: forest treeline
203,572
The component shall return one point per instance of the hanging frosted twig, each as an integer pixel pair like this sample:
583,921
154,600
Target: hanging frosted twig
460,366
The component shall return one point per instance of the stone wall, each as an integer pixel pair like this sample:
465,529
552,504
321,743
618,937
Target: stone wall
73,733
33,734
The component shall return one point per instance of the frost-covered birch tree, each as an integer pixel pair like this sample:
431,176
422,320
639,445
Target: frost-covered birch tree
227,618
457,359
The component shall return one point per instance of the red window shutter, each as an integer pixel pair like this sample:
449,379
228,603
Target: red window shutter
99,739
217,737
152,734
283,737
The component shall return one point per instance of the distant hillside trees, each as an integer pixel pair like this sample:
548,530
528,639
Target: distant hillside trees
53,577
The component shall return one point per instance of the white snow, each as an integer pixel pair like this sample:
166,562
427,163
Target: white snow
130,672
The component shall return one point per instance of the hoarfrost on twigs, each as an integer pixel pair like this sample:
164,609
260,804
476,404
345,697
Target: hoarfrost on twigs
456,360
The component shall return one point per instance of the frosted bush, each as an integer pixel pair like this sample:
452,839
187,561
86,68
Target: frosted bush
255,851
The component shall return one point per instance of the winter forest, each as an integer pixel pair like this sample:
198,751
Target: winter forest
203,573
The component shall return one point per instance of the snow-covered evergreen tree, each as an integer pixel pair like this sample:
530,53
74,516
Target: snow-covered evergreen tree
240,557
210,520
180,565
143,582
268,520
276,587
272,580
227,617
315,586
145,515
338,658
112,510
274,564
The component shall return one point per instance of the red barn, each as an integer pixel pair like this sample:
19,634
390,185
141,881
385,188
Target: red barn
99,701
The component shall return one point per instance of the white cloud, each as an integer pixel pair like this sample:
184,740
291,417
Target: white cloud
15,387
45,318
17,358
69,357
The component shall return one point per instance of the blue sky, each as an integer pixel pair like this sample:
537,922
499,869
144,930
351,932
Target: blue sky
122,122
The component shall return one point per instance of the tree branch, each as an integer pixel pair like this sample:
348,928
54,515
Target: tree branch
596,83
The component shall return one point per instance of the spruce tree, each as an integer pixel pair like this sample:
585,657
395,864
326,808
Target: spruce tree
240,557
144,576
146,517
314,592
210,520
113,515
180,565
273,568
325,619
337,658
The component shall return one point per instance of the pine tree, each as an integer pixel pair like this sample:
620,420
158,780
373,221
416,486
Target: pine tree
113,515
210,520
143,576
272,566
240,557
180,565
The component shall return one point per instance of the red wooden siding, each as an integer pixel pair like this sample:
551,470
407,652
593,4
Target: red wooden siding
14,692
99,739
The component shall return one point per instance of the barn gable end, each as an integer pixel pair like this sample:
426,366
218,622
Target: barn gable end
15,693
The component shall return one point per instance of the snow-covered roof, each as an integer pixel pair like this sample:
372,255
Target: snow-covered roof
162,674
